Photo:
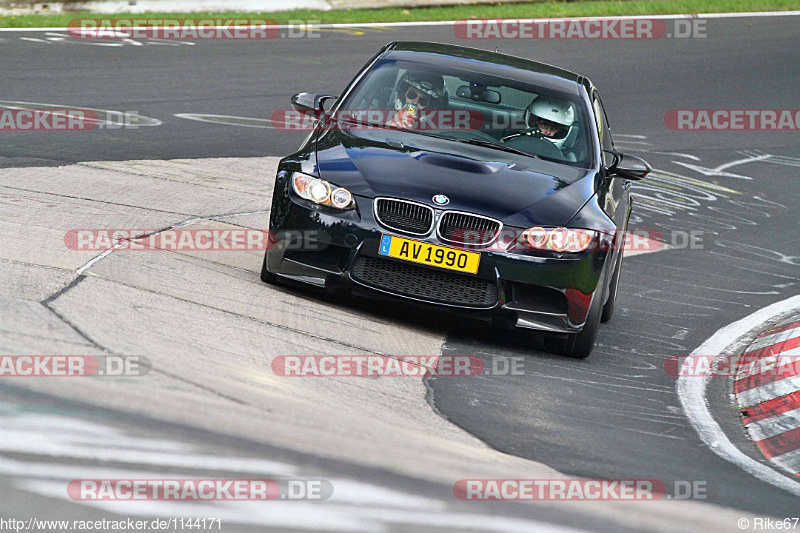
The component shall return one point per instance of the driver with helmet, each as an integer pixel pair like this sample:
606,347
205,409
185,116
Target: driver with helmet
416,92
547,118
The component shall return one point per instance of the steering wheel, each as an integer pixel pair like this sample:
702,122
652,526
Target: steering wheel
535,145
471,134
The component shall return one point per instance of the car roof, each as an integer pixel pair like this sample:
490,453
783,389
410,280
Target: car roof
495,63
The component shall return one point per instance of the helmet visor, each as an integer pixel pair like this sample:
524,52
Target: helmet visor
552,129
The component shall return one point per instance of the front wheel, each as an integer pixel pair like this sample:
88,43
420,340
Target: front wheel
608,308
579,345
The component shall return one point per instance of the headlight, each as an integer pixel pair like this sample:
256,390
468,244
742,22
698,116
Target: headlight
321,192
341,198
558,239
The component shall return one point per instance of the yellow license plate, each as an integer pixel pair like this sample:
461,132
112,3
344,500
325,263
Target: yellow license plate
429,254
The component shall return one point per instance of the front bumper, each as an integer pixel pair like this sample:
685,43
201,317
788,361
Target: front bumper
338,251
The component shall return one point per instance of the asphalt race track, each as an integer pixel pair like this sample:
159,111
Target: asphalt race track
204,155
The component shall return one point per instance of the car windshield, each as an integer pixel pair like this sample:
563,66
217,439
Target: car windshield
466,106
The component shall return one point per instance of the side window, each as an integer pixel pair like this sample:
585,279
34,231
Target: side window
598,118
602,128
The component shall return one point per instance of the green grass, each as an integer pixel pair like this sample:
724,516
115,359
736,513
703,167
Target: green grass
534,9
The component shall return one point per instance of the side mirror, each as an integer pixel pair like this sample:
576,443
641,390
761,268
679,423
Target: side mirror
627,166
311,103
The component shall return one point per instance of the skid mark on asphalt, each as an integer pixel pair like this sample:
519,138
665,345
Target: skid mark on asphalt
668,193
758,252
714,289
727,277
774,159
688,294
768,273
56,38
721,169
642,294
758,267
671,194
677,286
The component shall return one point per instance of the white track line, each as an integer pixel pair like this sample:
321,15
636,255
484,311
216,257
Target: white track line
789,460
775,339
692,395
451,22
771,364
769,391
774,425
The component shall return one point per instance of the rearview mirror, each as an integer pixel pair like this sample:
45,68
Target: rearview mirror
311,103
478,94
628,166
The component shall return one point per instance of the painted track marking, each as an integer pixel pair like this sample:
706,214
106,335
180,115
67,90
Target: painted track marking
692,395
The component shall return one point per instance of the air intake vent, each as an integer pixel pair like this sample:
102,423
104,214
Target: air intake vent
464,228
404,216
424,283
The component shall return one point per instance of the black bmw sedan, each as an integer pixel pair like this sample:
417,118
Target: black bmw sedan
469,180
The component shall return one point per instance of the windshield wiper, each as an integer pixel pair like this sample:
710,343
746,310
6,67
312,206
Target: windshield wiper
490,144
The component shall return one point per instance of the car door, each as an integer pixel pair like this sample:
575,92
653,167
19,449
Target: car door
614,192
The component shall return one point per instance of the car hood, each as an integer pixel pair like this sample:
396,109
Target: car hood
518,190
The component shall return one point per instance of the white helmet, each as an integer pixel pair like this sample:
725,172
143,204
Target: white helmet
551,110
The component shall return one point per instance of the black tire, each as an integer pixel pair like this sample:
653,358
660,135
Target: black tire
608,308
266,275
579,345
